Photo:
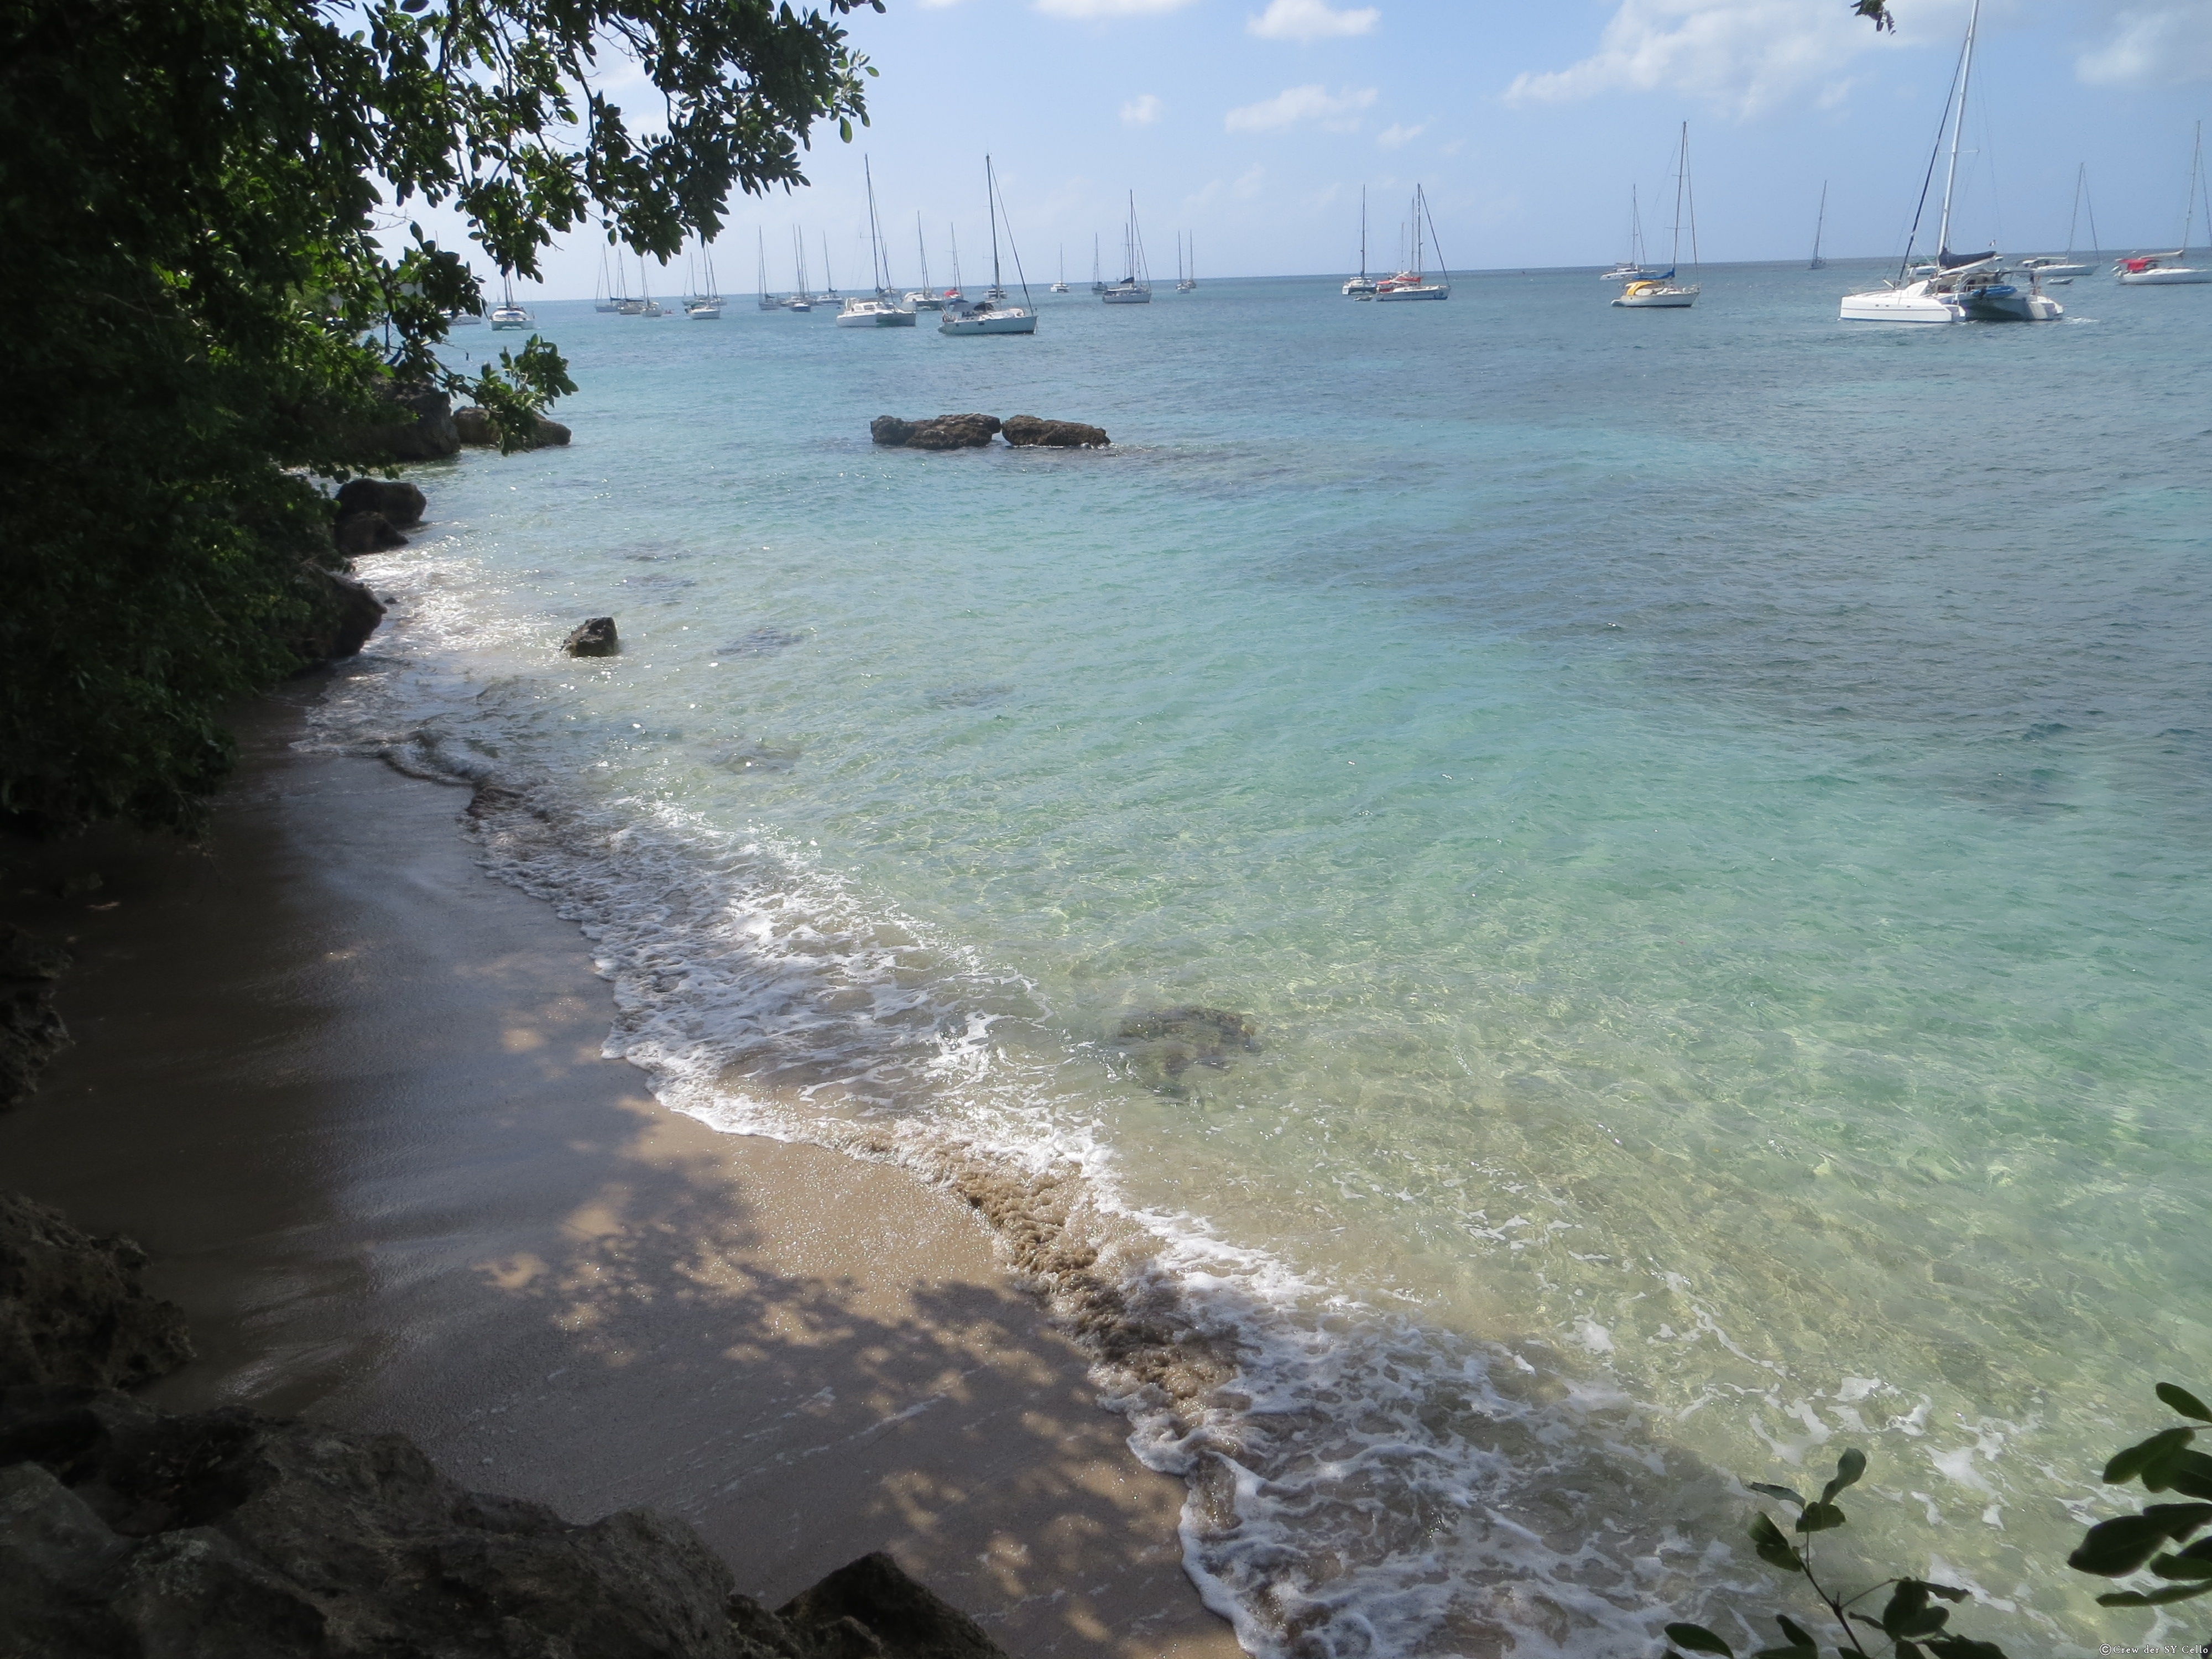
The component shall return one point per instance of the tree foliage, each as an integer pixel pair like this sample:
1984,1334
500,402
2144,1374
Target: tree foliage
203,317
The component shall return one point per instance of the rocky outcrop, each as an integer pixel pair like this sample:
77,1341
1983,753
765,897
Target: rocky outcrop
400,503
71,1310
424,429
594,638
1165,1044
475,430
1027,431
31,1032
345,614
366,532
125,1531
938,432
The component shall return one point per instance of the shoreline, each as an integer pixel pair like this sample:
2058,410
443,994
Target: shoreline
347,1091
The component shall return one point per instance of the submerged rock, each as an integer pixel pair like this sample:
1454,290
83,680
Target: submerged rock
474,428
72,1310
940,432
127,1531
1166,1042
594,638
1028,431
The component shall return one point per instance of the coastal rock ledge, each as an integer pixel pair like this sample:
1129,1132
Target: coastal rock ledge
129,1531
973,431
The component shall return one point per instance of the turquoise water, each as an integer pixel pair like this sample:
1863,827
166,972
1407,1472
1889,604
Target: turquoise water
1706,812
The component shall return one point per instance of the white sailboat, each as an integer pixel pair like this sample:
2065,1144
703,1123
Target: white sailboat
952,234
1097,286
1819,223
1135,287
2162,270
993,315
1060,286
1663,292
881,311
922,299
1416,284
1957,287
768,301
705,303
1363,286
1633,269
800,300
2059,267
1186,275
603,297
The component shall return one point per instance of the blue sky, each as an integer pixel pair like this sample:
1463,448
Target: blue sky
1253,124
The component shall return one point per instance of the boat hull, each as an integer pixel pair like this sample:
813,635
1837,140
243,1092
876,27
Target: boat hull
1361,287
1011,322
704,313
2167,276
875,317
1127,296
1660,299
1426,291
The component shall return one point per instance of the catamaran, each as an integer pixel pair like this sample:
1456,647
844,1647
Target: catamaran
1415,284
883,311
1660,292
992,315
1363,286
507,313
1958,288
2159,269
1135,287
1633,269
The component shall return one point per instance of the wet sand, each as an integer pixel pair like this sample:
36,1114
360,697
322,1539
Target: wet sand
347,1089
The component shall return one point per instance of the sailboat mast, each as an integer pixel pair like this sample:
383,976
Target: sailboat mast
1818,222
922,248
1958,127
1363,233
1681,168
879,272
991,189
2195,173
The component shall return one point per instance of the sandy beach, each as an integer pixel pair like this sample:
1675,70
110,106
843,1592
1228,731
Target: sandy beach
347,1090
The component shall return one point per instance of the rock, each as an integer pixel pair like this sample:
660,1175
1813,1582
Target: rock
475,430
426,431
367,533
1026,431
71,1310
594,638
347,613
1168,1041
125,1530
940,432
31,1032
400,502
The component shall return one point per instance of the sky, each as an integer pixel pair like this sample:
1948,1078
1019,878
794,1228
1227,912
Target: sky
1253,125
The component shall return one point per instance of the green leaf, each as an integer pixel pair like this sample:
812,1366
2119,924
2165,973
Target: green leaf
1782,1493
1819,1517
2131,1462
2183,1401
2186,1472
2155,1598
1848,1468
2114,1548
1775,1550
1698,1639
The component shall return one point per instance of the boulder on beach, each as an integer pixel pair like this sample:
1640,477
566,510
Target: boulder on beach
938,432
346,614
1028,431
130,1530
72,1310
31,1032
475,430
592,638
1165,1044
400,503
366,532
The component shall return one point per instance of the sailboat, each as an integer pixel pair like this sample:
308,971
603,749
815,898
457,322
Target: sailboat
705,305
953,236
768,301
991,315
1633,269
1097,285
1415,284
882,310
922,299
1135,287
2160,269
1958,288
603,297
1819,223
800,300
828,277
2064,267
1060,286
1362,286
1662,292
1188,278
507,313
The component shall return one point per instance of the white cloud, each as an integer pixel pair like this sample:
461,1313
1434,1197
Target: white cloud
1310,19
1744,56
1141,111
1089,9
1338,112
2153,45
1392,136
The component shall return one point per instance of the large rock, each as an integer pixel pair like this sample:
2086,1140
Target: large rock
124,1531
31,1032
476,430
938,432
424,430
400,503
1025,431
366,532
71,1310
594,638
346,614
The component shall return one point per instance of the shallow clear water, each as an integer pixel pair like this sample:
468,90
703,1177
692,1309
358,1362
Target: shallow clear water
1706,812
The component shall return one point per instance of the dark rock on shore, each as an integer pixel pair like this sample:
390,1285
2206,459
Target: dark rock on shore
31,1032
127,1531
366,532
1026,431
938,432
1166,1042
423,429
594,638
475,430
71,1310
347,613
400,503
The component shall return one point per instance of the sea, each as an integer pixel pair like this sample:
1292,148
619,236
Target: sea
1525,913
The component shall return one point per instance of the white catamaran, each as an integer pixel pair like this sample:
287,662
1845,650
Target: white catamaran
881,309
1662,292
992,315
1135,287
2157,269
